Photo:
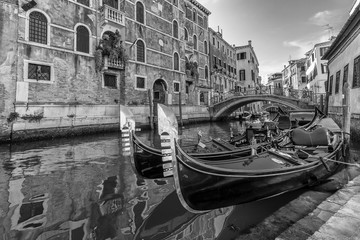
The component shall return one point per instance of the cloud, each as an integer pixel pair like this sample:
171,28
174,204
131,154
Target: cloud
323,18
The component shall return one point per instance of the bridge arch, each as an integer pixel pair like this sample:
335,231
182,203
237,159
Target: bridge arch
228,106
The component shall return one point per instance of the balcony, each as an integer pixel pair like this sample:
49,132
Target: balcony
115,63
112,15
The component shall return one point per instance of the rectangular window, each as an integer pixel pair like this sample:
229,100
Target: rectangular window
214,41
200,21
323,68
39,72
331,83
243,55
140,82
337,82
356,80
215,60
188,13
323,51
112,3
252,75
194,15
84,2
346,73
242,75
303,79
302,68
110,81
175,2
176,87
312,57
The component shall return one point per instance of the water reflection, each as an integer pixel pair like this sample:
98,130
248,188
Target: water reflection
83,188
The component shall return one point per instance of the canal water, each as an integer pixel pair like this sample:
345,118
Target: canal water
83,188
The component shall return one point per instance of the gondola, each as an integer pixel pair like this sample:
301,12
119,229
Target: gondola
313,155
148,161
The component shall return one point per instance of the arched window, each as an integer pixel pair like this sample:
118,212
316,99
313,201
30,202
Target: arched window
176,62
205,47
206,73
195,42
186,35
140,51
175,29
82,39
38,27
140,12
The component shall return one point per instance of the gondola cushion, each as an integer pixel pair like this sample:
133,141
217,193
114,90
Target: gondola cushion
318,137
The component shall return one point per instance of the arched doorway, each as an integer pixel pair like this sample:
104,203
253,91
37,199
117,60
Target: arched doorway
159,93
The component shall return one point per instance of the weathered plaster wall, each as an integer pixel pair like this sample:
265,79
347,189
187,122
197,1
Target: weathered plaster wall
346,57
8,33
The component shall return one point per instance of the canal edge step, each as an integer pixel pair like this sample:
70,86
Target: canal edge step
337,217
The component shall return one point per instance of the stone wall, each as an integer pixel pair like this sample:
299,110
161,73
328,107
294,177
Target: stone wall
8,34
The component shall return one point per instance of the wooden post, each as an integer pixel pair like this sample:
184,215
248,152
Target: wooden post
151,110
180,111
346,110
322,102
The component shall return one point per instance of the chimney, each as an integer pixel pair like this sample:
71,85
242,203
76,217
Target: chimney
249,42
221,32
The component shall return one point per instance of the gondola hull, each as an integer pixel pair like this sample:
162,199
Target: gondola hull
201,188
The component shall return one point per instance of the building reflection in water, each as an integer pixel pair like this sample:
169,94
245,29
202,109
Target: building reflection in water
85,189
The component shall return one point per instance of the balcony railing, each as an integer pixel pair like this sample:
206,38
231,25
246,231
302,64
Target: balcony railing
114,63
113,15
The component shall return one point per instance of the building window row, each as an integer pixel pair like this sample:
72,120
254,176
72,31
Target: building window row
38,32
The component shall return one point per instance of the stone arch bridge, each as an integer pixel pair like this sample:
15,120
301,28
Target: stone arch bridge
226,107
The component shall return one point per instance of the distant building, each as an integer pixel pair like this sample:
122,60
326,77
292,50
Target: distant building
247,66
316,70
344,62
222,59
294,74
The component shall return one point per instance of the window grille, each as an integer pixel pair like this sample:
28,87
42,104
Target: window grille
38,27
140,51
39,72
140,12
140,82
82,39
110,81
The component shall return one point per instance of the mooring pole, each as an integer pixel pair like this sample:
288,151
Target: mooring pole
322,102
151,110
346,111
180,111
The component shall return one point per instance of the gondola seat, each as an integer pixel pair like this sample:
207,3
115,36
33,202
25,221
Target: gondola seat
318,137
284,122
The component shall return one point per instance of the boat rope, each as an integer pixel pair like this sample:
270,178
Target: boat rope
332,160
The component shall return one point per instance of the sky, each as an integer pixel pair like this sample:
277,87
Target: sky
280,30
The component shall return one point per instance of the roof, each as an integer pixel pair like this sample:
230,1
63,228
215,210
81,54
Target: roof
201,7
349,27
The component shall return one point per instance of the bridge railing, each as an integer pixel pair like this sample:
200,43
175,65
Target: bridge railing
303,95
